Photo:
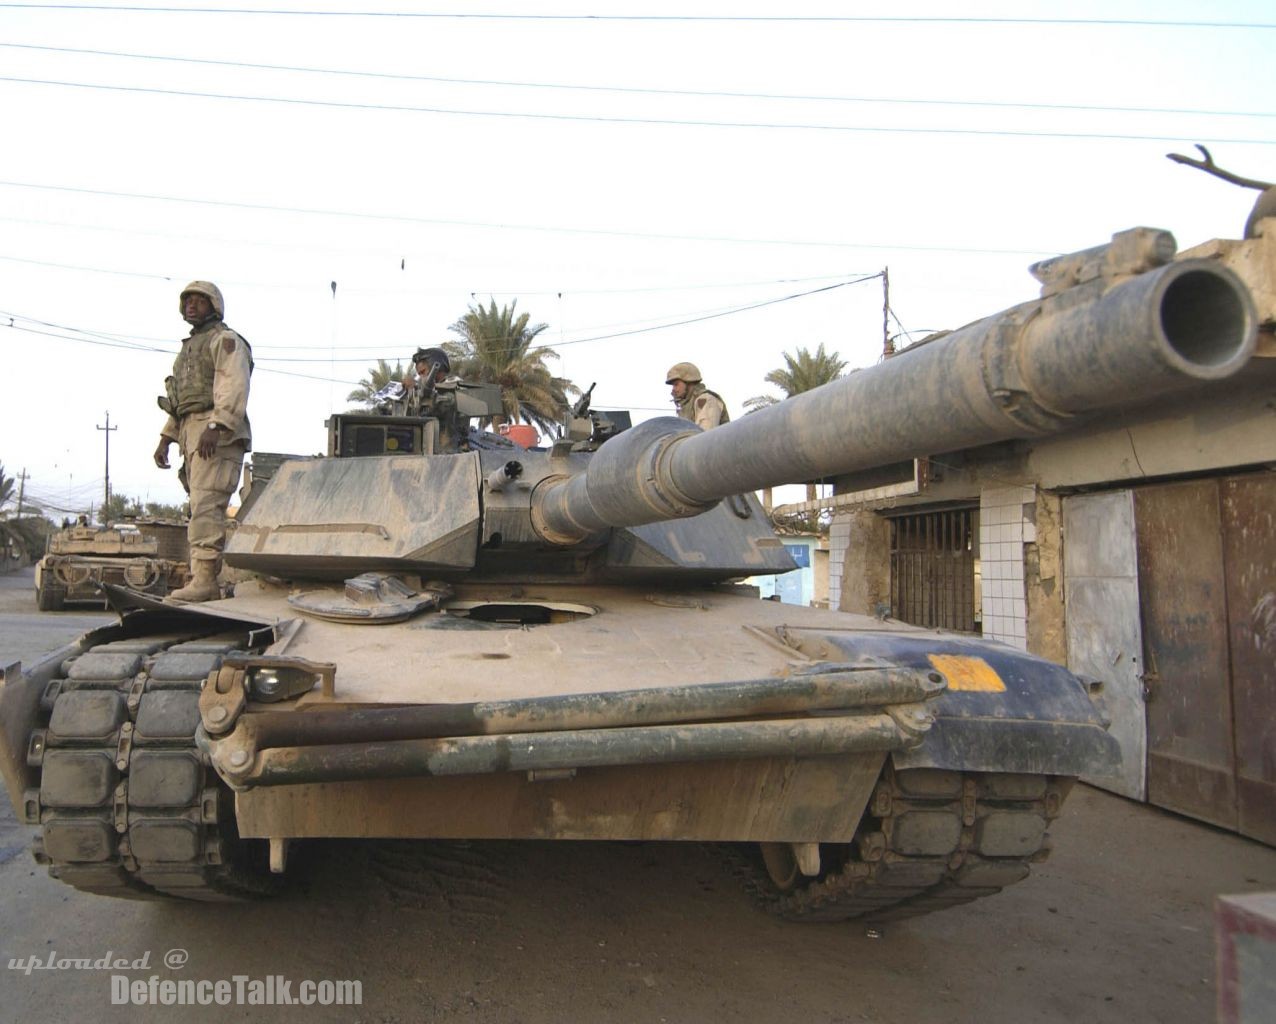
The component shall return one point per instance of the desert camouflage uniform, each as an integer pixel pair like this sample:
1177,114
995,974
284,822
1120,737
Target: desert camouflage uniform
209,385
703,407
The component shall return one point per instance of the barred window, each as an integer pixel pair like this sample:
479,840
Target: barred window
933,568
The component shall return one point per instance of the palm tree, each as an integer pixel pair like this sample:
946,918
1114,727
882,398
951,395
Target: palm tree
495,347
378,377
120,506
802,372
17,532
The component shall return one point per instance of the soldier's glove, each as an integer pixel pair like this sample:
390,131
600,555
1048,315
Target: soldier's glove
161,453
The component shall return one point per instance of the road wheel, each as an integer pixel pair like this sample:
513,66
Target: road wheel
929,840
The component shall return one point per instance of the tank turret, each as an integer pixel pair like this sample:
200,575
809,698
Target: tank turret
1115,326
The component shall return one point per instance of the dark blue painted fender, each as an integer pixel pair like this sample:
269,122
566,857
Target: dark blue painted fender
1004,710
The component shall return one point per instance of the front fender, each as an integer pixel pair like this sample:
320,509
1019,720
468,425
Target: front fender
1004,710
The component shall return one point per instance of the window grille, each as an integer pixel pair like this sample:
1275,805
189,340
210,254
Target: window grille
933,568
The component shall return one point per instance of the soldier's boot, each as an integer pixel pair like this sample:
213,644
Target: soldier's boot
203,585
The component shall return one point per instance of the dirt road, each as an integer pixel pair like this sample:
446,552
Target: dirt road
1116,926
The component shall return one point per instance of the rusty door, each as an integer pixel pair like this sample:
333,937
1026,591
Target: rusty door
1103,633
1249,557
1191,755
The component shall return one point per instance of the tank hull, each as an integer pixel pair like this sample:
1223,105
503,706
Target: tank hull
133,795
63,579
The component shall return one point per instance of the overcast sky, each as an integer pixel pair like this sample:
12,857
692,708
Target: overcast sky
613,175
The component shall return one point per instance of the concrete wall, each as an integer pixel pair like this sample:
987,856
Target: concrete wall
1043,580
859,562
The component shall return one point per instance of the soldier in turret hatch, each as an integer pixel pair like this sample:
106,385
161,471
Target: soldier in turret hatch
695,402
435,394
206,399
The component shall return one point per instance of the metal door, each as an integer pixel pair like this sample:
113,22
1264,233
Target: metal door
1191,755
1249,554
1104,639
933,568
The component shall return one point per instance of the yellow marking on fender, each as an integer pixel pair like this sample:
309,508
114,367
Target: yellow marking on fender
968,673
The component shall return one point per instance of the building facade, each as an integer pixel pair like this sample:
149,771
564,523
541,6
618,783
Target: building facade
1138,549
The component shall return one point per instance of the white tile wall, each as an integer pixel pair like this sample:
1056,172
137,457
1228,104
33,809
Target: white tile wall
1002,534
839,541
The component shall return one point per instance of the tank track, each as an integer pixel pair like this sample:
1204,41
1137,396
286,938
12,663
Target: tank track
929,840
126,804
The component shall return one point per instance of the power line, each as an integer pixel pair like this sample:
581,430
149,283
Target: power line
568,292
839,278
84,336
642,91
145,348
134,341
659,323
597,119
711,316
711,18
592,232
120,340
96,338
92,270
516,292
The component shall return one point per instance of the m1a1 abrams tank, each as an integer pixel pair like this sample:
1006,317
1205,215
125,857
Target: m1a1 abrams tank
550,645
149,556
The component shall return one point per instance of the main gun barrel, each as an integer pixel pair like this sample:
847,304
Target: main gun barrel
1034,369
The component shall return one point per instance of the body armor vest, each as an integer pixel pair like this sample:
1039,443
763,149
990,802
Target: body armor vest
190,388
686,408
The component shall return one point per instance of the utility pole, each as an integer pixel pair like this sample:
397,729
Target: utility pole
107,487
22,487
888,346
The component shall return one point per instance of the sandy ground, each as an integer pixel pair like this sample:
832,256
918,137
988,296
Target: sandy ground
1116,926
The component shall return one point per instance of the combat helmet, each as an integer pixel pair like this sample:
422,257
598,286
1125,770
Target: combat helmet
435,356
210,291
688,372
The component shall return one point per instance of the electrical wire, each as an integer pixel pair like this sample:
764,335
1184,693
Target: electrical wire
841,279
638,90
711,316
397,255
597,119
600,18
105,335
113,341
146,348
593,232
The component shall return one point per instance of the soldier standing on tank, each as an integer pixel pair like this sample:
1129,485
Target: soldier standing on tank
206,399
695,402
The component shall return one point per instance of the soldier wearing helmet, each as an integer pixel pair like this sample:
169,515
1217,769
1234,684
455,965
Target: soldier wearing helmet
695,402
435,394
206,399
